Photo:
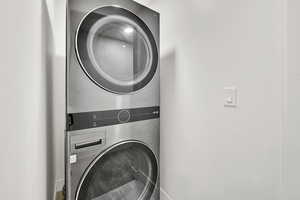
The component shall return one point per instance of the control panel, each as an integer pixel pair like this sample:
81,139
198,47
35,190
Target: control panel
86,120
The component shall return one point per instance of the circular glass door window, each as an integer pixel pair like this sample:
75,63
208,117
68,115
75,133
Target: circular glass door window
116,50
126,172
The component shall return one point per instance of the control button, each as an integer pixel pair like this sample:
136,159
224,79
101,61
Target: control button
124,116
73,159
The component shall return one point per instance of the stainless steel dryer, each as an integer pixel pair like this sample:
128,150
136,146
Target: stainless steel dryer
112,130
112,55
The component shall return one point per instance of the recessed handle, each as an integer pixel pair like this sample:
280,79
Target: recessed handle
89,144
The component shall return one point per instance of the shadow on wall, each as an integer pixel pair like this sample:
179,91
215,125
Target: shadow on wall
168,101
48,53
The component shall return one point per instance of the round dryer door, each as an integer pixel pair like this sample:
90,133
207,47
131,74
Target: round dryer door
127,171
116,49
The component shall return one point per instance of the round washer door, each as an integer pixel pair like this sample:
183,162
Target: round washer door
116,49
127,171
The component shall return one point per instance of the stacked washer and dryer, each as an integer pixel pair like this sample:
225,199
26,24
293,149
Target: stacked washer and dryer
112,112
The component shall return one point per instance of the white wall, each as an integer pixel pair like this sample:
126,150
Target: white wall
291,139
59,119
209,151
25,153
59,24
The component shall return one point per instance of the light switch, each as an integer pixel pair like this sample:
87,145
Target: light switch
230,96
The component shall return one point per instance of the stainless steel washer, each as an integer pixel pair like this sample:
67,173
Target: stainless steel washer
119,162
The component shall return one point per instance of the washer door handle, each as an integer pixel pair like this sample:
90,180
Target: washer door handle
89,144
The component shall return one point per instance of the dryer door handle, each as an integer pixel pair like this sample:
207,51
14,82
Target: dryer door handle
88,144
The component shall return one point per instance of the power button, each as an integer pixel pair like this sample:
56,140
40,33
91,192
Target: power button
124,116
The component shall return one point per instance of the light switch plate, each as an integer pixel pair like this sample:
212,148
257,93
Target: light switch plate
230,96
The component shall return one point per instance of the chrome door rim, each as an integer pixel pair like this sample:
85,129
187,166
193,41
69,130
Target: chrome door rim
96,27
87,170
154,57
